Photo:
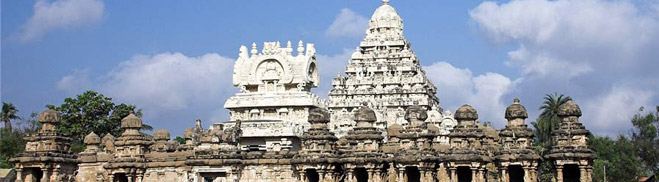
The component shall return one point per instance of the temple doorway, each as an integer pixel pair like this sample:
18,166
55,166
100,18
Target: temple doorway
571,173
464,174
412,174
33,175
516,173
120,177
361,175
213,176
312,175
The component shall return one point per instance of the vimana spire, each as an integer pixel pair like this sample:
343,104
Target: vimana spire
382,122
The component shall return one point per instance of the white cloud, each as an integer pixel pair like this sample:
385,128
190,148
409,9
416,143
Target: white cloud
330,66
619,104
166,84
60,14
78,80
459,86
347,24
592,50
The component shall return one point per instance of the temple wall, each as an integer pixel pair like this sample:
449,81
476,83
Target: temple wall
165,174
90,172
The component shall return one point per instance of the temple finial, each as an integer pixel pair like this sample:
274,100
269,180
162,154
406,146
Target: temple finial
384,2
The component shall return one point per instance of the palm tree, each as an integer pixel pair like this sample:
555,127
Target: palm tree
8,113
548,119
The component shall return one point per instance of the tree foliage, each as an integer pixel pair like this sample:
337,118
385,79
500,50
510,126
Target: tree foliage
92,112
8,113
618,157
548,119
11,140
645,136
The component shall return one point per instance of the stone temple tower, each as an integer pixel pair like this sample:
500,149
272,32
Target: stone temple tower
385,73
275,96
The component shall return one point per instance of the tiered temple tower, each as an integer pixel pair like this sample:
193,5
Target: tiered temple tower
517,160
47,155
385,73
570,155
275,95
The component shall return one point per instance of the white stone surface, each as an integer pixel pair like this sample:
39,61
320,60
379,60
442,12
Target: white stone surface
275,91
385,73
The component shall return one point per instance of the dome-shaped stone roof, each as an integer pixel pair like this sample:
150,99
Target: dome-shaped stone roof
49,116
385,16
418,111
365,114
161,134
108,137
131,121
466,112
92,139
385,12
319,115
516,110
188,133
569,109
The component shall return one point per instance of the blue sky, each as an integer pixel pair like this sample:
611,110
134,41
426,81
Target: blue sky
173,59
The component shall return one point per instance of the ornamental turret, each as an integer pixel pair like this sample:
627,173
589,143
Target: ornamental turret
275,95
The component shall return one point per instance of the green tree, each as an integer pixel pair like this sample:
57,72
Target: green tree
546,122
179,139
548,119
11,143
618,157
8,113
93,112
645,137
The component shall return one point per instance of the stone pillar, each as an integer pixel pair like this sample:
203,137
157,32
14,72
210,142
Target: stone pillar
45,177
474,176
111,177
130,177
350,176
559,173
427,175
584,174
401,175
303,176
139,178
454,175
504,174
377,177
19,175
481,174
321,175
55,174
533,175
370,175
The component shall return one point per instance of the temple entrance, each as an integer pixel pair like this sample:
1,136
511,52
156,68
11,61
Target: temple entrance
464,174
33,175
213,176
516,173
312,175
571,173
361,175
120,177
412,173
341,174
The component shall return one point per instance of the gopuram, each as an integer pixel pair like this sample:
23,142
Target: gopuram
382,123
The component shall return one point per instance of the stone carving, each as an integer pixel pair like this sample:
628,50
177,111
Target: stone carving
275,97
385,72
